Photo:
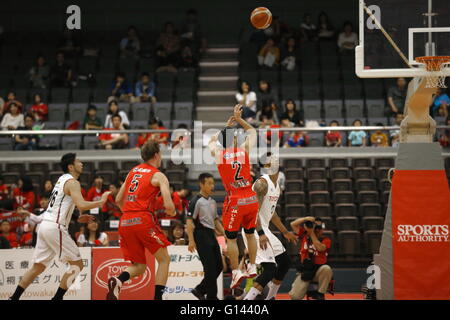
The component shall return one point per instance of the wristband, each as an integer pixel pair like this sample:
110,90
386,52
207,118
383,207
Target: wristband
261,232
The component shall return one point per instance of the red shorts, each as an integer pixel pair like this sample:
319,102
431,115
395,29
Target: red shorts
138,232
238,211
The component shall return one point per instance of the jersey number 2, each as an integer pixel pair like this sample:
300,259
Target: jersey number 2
237,165
134,183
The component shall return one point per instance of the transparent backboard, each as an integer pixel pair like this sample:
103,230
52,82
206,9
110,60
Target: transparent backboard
417,27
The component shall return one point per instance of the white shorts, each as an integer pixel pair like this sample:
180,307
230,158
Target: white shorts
274,248
54,241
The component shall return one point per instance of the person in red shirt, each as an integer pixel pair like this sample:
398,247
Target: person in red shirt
110,208
160,137
138,229
241,204
314,250
39,110
96,191
4,193
178,198
24,195
333,138
5,231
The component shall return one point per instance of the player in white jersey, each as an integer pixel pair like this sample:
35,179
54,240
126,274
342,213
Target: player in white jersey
271,254
53,239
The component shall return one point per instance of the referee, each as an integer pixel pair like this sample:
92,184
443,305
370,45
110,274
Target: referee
202,220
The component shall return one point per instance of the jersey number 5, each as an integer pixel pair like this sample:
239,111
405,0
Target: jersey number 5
134,183
237,165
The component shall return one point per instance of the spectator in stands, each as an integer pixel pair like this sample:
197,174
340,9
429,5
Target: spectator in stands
114,140
5,199
181,137
168,49
265,95
187,58
11,237
110,208
161,138
10,99
39,73
290,55
130,46
145,89
325,30
192,31
308,29
114,110
247,98
96,191
444,138
280,30
333,138
357,138
314,250
91,121
291,113
48,188
39,110
441,103
29,141
395,134
297,139
285,123
268,112
70,42
121,89
269,55
92,236
23,195
13,119
379,138
397,96
61,72
4,243
347,40
177,235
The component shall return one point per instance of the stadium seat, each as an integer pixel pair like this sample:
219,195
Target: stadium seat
186,78
289,78
183,94
38,167
183,110
382,172
141,112
295,185
296,197
316,173
316,139
270,76
340,173
15,167
85,178
372,223
59,95
347,223
375,108
343,197
384,185
90,142
108,176
384,162
370,210
334,243
107,166
54,176
77,111
363,173
164,94
361,162
57,112
329,223
312,109
72,142
10,178
294,173
320,210
292,163
249,76
318,185
338,163
128,165
81,95
354,108
353,90
50,142
295,210
176,174
368,197
333,109
319,197
315,163
349,243
372,240
290,92
366,185
341,185
345,210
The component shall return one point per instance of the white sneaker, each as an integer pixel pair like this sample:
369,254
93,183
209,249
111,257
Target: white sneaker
251,271
114,285
237,276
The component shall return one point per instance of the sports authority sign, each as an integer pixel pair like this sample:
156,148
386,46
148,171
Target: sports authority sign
108,262
423,233
15,262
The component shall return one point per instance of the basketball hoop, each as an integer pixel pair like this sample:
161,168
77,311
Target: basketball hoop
435,65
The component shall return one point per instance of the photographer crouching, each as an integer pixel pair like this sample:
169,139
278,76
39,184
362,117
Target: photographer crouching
314,250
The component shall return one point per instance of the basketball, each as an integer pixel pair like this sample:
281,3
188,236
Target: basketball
261,18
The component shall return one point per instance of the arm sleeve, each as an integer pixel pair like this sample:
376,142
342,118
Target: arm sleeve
193,209
327,243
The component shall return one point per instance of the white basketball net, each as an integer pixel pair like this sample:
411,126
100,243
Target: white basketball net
435,77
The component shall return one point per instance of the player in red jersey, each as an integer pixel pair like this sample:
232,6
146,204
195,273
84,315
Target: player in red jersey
241,204
138,230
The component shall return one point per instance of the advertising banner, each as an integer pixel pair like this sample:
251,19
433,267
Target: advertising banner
15,262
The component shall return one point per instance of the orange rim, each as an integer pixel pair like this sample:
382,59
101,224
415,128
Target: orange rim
433,63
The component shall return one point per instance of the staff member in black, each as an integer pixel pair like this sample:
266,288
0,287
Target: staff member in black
202,221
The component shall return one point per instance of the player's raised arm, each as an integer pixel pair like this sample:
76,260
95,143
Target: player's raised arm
160,180
251,139
73,189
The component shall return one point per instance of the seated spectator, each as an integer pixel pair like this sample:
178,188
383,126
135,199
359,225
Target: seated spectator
48,188
441,103
187,58
130,46
285,123
265,95
12,119
308,29
192,31
397,96
39,73
5,199
61,72
325,30
181,137
23,194
39,110
357,138
11,237
91,121
269,55
379,138
444,138
333,138
114,140
395,134
297,139
92,236
177,236
96,191
121,89
280,30
29,141
10,99
347,40
114,110
168,49
70,43
314,249
267,111
110,208
145,89
291,113
161,137
290,55
247,98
